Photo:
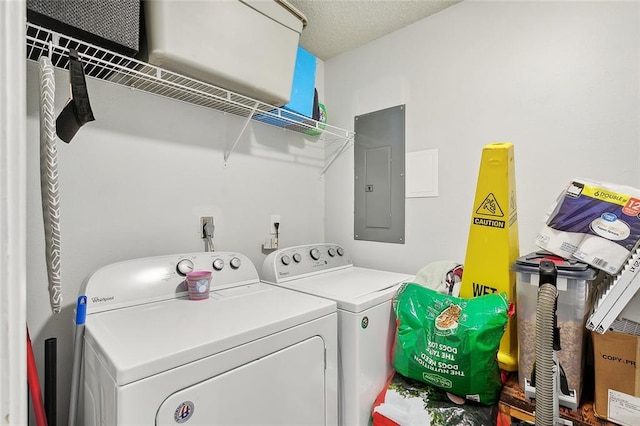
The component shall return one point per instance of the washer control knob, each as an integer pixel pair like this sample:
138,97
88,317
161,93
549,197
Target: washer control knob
235,262
296,257
340,251
184,266
315,253
332,252
218,264
286,260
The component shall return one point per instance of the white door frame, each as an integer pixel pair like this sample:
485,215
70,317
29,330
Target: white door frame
13,172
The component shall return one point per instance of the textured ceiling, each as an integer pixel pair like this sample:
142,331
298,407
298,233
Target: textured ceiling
336,26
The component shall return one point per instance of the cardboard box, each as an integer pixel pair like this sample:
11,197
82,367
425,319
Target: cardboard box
617,378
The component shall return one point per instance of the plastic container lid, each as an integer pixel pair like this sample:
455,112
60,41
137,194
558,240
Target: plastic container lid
571,268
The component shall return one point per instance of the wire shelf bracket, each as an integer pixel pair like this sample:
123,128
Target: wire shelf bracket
246,123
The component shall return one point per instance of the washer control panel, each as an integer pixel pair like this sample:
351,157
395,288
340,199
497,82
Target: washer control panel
151,279
295,262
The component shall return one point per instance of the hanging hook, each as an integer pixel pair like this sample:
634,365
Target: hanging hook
55,41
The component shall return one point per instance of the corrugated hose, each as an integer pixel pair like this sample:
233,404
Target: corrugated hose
547,403
545,373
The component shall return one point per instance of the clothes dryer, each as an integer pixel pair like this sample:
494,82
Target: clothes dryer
366,324
250,354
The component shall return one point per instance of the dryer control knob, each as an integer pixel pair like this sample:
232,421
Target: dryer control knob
235,262
286,260
184,266
332,252
340,251
315,254
218,264
296,257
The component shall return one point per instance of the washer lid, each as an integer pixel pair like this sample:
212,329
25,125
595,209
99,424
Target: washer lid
354,289
140,341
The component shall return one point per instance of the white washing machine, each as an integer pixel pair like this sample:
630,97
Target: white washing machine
366,324
250,354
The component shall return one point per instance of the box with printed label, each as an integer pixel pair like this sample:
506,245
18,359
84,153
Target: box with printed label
617,378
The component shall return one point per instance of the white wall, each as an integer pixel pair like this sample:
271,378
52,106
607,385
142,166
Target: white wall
560,80
135,182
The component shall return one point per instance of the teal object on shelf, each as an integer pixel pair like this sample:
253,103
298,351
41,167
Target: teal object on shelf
304,84
302,92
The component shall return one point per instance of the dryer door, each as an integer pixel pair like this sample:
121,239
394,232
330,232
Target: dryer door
286,387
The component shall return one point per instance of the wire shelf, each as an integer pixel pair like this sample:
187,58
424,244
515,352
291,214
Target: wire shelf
122,70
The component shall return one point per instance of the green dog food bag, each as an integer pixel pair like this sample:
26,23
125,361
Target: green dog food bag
450,342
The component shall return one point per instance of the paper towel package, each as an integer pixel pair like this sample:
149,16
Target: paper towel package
596,223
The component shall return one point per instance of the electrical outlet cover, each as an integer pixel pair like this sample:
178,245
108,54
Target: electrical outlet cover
204,220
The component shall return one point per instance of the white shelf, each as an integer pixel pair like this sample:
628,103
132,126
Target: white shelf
125,71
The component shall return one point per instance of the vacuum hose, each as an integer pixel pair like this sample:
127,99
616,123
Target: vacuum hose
546,398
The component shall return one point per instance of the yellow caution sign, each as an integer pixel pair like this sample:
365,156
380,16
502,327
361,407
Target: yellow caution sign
493,244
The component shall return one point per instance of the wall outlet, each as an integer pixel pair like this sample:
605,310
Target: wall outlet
269,244
204,221
274,218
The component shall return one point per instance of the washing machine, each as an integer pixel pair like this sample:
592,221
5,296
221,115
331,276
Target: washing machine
366,324
250,354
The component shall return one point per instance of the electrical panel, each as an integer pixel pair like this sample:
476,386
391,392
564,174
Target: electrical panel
380,175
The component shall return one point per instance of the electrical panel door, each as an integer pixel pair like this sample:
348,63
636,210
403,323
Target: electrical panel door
379,175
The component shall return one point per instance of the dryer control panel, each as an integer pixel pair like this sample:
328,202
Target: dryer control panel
151,279
300,261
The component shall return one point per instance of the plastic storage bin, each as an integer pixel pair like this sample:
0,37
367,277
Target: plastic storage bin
573,283
247,46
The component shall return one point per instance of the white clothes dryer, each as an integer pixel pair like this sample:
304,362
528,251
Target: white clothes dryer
250,354
366,323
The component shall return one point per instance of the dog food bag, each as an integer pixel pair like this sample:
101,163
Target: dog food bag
450,342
